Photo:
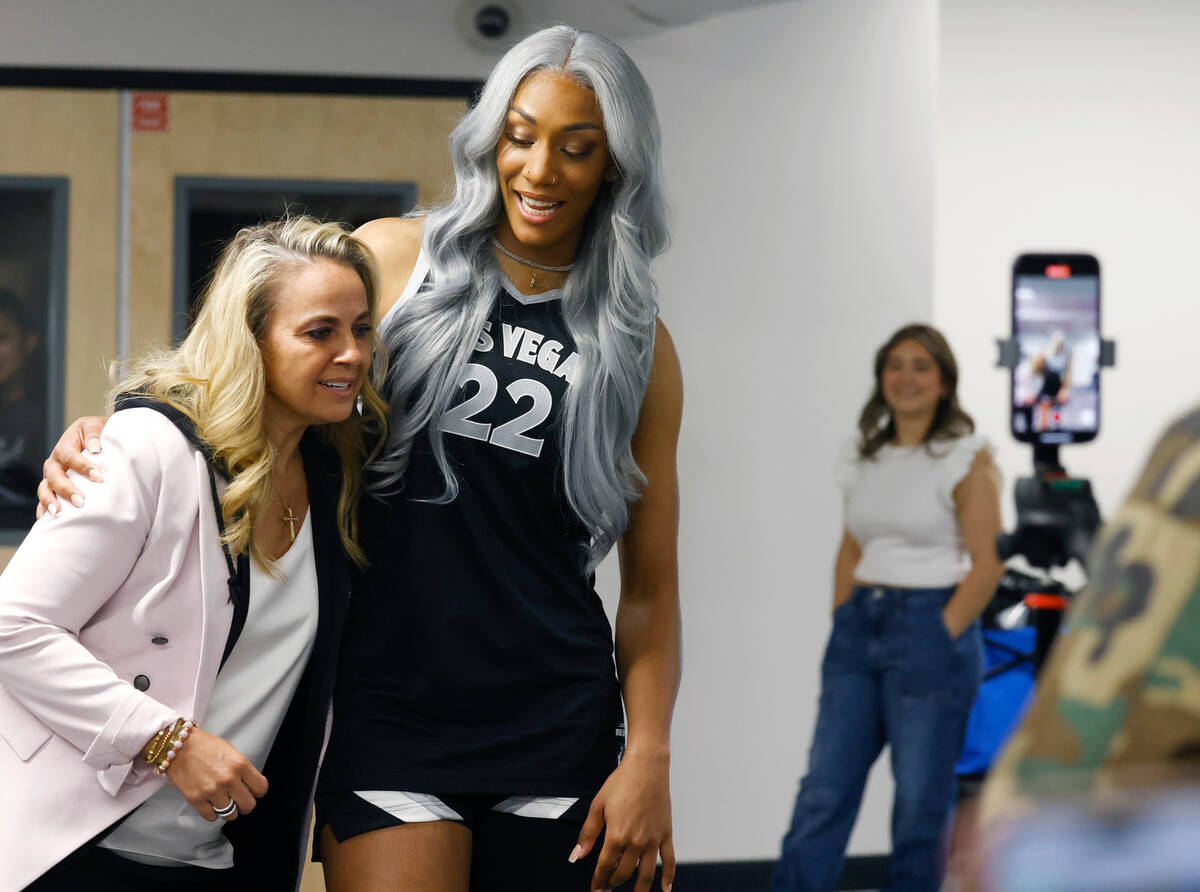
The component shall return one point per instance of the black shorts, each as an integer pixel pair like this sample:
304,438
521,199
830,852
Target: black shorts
508,851
1051,384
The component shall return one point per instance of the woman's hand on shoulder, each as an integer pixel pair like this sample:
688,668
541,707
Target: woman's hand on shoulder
633,808
209,773
396,244
70,453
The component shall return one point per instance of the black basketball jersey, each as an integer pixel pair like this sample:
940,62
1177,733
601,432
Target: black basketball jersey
478,657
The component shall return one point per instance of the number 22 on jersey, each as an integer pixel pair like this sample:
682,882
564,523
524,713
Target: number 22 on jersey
512,434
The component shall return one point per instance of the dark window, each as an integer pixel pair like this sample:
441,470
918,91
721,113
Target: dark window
32,272
208,211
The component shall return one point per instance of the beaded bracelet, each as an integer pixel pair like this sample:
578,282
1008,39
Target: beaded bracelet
175,744
166,743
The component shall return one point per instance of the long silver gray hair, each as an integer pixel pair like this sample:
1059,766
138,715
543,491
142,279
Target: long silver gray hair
609,300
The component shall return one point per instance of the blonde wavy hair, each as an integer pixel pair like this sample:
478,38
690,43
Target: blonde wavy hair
216,377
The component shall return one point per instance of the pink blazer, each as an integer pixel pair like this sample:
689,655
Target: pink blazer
113,619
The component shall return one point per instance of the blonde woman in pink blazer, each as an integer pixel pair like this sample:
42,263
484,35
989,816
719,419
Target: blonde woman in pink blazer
125,620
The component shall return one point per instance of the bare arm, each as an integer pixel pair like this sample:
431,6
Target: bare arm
848,556
396,243
635,803
977,500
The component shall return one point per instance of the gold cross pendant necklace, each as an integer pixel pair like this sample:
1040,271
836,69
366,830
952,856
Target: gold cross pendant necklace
289,516
290,519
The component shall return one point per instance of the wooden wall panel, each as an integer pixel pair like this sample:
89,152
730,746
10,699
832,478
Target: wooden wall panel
270,136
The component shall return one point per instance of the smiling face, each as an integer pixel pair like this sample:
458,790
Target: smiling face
316,347
552,159
911,381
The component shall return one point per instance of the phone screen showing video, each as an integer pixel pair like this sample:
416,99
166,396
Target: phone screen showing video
1056,324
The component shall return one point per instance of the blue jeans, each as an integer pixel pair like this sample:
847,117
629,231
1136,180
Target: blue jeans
892,675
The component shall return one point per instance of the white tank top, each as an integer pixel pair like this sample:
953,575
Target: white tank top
249,700
900,509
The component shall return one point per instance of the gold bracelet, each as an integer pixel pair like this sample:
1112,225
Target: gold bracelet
153,744
179,733
161,740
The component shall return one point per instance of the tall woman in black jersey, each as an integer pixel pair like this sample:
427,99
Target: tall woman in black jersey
536,408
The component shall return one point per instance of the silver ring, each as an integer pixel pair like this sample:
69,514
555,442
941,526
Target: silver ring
226,812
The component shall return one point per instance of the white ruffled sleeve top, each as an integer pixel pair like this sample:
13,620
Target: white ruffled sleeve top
899,507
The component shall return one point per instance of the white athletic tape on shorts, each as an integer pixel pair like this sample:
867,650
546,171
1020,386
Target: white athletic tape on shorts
550,807
411,808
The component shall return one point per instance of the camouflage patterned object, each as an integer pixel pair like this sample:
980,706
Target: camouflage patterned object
1118,704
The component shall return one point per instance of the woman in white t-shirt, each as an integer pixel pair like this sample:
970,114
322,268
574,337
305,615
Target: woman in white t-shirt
915,568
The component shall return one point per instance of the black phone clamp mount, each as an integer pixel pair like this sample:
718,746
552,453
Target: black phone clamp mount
1045,455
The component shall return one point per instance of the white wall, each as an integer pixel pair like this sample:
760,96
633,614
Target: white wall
798,154
411,38
1073,124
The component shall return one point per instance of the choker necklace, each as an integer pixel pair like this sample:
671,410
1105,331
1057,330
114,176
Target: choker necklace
536,266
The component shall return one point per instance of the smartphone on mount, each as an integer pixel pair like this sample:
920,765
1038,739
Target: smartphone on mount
1055,382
